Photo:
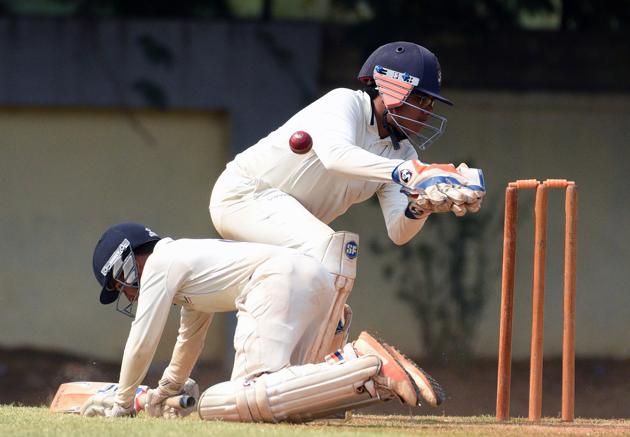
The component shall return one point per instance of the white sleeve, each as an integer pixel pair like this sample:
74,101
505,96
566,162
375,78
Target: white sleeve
356,163
154,304
335,143
400,228
193,327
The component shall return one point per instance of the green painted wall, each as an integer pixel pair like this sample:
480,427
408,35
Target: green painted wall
65,176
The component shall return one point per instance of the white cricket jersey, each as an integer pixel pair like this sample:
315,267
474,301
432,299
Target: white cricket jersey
204,277
349,164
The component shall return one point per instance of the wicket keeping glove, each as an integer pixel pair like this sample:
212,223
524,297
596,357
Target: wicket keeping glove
439,187
155,404
103,404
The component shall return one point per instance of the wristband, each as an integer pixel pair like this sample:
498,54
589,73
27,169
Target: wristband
410,214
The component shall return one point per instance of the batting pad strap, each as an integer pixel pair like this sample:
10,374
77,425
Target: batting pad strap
242,406
250,395
263,402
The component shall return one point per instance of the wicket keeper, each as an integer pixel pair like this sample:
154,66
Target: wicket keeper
365,142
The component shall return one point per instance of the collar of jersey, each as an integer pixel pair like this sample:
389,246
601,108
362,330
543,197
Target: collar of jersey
162,242
367,110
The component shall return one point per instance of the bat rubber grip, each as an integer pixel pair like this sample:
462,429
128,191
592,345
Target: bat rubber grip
179,402
182,401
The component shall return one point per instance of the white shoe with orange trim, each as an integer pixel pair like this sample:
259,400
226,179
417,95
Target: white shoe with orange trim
430,390
392,376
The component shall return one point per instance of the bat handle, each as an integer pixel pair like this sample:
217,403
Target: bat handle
179,402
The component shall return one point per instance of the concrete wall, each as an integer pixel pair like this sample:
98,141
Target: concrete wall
67,175
259,73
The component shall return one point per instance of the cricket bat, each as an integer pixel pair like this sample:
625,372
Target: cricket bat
71,396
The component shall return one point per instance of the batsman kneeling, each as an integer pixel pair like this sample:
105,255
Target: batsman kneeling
282,298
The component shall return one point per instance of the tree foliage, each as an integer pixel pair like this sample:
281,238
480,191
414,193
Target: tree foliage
455,16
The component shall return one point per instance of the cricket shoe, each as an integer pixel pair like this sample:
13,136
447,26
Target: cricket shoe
427,386
392,376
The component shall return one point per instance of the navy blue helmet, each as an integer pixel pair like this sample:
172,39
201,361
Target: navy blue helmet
114,255
410,58
401,69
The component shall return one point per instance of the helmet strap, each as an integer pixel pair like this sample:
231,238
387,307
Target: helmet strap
372,92
394,135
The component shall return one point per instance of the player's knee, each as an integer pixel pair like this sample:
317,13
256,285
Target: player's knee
311,269
301,278
311,276
218,402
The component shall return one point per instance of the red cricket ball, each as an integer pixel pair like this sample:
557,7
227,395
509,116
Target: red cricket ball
300,142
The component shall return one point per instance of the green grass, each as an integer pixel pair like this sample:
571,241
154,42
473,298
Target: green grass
23,421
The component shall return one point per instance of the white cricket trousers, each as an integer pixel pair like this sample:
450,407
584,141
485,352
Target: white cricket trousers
279,313
240,210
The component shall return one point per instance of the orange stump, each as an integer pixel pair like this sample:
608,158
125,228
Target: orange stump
568,335
538,298
507,304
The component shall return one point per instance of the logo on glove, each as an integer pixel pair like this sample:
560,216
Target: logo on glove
405,175
111,388
352,249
